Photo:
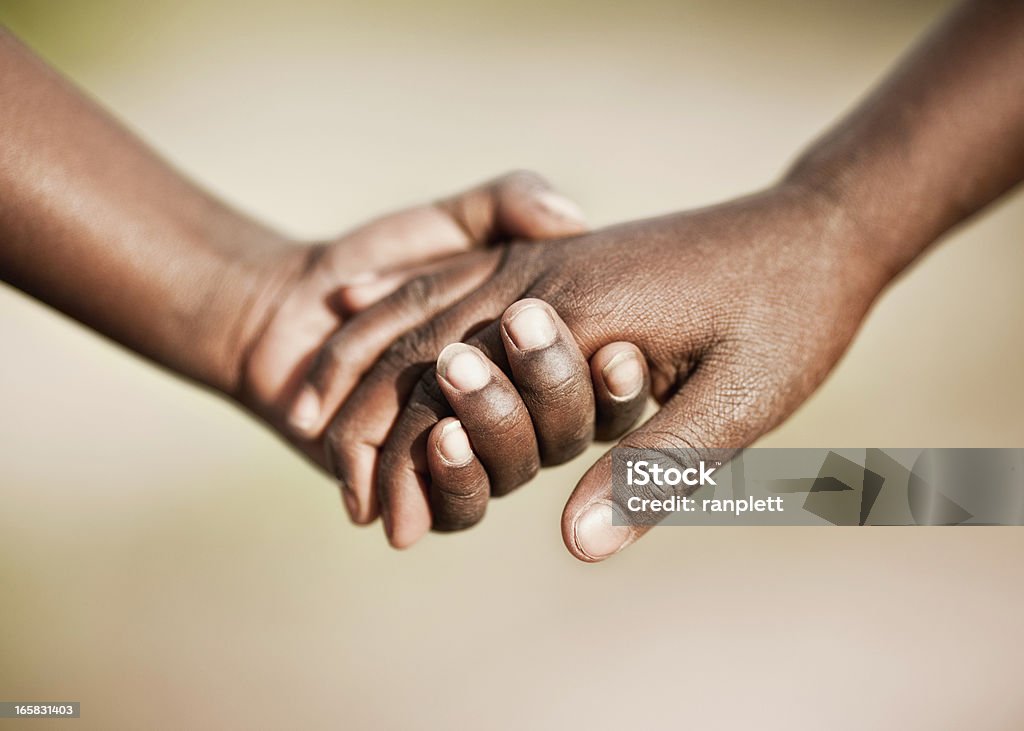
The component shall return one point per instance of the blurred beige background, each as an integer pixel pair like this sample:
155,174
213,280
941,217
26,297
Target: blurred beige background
167,563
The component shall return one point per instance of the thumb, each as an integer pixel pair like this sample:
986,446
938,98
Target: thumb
518,205
698,419
398,247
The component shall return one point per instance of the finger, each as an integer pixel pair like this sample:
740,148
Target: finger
530,342
621,382
371,287
492,413
350,352
459,489
552,378
702,417
368,415
520,204
551,374
478,387
517,205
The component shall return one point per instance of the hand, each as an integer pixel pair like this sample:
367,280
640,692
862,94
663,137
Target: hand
740,310
320,286
546,413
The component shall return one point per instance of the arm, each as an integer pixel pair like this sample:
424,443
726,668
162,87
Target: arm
741,309
95,224
937,141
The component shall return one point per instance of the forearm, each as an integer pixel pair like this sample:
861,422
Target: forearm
942,137
96,225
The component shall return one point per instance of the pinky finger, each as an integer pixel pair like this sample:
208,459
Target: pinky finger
459,487
621,385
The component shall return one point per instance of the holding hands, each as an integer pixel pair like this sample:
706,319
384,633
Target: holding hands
294,369
739,311
441,355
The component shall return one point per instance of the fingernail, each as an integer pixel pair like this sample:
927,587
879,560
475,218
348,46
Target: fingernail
623,375
351,504
561,207
594,533
305,411
463,367
454,444
531,327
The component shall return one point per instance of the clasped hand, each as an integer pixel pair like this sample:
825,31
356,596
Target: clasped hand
430,395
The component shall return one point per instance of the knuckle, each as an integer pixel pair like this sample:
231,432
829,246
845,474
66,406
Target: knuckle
419,292
505,420
406,350
459,493
563,390
551,289
325,363
555,381
527,260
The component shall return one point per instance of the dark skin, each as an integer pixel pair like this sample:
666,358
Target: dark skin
740,310
93,223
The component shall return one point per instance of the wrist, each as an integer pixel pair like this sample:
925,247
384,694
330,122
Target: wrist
873,224
254,278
